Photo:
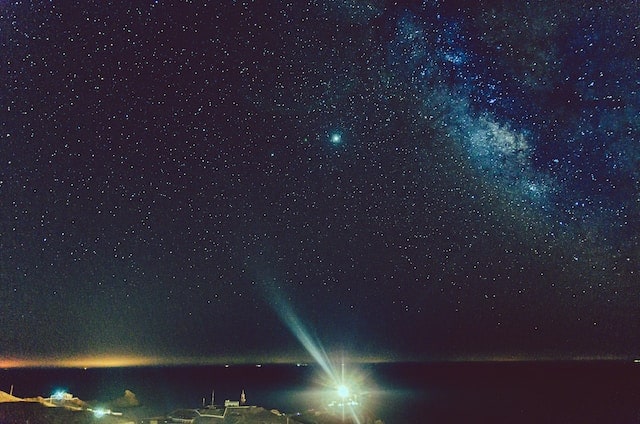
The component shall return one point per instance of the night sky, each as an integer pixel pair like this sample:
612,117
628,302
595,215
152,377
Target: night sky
409,180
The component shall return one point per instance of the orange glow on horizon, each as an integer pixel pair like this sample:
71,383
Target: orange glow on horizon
132,360
16,363
107,361
88,361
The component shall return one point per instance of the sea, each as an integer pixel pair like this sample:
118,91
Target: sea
450,392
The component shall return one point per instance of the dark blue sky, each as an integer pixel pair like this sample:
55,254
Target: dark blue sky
413,179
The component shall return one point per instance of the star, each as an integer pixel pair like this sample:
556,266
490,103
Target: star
335,138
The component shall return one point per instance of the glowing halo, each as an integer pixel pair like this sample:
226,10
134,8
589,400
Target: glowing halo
344,390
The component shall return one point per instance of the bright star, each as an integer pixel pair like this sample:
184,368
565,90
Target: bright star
336,138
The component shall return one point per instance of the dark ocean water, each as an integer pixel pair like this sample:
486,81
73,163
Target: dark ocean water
545,392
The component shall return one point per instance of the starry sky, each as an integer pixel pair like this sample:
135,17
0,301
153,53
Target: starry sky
408,179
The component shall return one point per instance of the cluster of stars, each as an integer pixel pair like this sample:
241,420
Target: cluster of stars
469,171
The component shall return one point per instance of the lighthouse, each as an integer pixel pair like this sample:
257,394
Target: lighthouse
243,398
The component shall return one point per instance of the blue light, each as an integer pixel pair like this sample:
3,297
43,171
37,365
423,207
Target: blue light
336,379
343,391
284,309
58,394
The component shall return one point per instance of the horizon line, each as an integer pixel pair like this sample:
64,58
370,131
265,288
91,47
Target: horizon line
133,361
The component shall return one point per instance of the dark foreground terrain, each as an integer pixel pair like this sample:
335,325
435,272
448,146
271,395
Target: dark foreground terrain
36,413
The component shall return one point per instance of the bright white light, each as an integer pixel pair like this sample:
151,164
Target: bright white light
343,391
336,138
99,413
291,320
59,395
344,386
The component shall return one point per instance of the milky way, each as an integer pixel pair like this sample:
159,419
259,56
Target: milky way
413,179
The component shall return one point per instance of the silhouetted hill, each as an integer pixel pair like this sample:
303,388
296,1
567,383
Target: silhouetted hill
36,413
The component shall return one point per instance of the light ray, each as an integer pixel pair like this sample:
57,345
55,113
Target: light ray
284,309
